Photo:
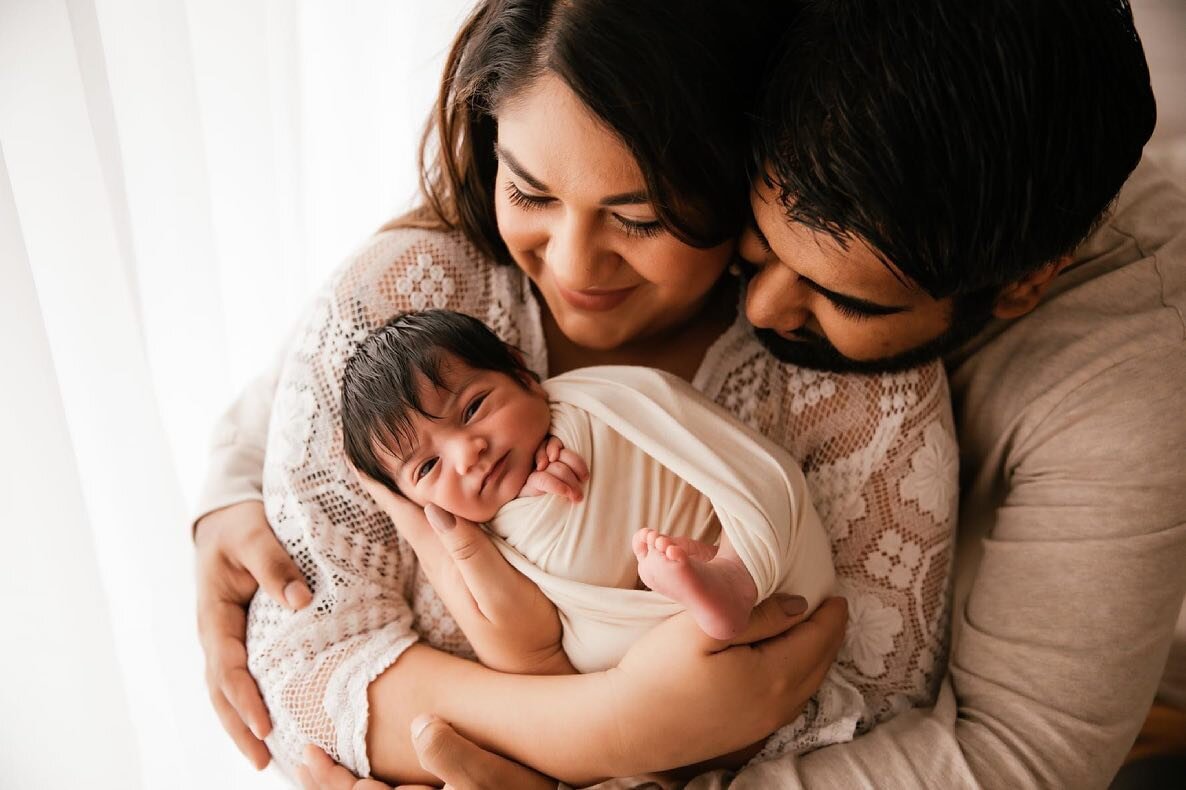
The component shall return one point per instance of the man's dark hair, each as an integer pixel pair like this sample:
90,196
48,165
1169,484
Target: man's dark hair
379,383
969,142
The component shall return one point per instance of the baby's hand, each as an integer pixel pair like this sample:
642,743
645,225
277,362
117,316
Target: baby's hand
557,471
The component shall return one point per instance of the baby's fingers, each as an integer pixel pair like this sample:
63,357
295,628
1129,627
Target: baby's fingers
575,463
553,447
549,483
541,457
568,478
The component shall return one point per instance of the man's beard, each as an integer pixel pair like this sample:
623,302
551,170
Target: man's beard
970,313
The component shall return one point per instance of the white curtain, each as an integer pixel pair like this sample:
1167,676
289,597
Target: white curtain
176,177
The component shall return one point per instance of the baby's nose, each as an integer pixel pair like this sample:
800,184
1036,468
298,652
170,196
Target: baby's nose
469,452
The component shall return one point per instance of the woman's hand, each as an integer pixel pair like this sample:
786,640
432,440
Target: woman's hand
237,552
511,625
442,752
756,682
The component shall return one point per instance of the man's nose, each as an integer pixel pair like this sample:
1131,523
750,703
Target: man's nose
465,450
776,299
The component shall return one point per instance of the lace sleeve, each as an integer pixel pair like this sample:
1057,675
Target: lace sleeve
881,461
370,601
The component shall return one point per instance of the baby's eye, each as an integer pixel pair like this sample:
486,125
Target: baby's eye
424,468
472,408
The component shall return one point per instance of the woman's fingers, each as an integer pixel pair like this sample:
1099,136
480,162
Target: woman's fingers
491,581
771,618
222,626
255,750
462,765
320,772
409,519
813,644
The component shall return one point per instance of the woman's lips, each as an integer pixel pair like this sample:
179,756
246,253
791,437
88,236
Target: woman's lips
596,300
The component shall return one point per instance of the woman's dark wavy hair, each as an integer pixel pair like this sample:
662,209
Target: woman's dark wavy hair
970,142
672,78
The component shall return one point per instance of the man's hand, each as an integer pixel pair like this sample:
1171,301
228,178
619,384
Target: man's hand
558,471
442,752
236,553
511,625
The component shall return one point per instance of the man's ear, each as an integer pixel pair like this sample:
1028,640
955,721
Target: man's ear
1018,298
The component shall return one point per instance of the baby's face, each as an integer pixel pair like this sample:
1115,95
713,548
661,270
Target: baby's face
476,456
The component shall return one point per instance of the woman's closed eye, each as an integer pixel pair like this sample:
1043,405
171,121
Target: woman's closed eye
640,230
523,200
633,228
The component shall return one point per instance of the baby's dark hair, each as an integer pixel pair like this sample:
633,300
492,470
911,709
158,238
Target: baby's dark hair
379,383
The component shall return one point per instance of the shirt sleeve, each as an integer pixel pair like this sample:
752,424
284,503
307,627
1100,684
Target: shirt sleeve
1070,614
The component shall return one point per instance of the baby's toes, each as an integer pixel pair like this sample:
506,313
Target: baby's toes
674,553
662,543
639,544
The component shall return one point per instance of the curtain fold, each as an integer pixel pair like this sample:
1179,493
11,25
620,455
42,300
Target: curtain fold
178,176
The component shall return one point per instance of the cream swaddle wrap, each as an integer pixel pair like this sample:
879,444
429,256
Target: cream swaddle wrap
660,455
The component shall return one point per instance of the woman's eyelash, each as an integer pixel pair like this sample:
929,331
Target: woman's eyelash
641,230
522,199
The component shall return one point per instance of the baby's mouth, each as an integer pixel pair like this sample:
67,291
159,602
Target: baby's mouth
494,472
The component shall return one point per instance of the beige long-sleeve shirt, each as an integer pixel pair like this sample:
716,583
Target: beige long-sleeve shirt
1072,547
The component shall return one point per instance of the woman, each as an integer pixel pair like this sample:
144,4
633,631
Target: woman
586,190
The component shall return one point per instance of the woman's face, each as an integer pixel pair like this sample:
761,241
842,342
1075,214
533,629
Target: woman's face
573,210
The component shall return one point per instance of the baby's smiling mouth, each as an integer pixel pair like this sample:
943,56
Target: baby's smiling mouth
493,472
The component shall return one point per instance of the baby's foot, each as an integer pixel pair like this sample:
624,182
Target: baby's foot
718,591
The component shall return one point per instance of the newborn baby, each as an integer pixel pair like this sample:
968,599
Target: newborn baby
438,409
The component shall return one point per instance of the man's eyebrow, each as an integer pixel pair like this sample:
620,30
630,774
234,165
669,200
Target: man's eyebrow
851,302
513,164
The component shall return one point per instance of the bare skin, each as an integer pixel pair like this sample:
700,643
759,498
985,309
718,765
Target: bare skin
710,581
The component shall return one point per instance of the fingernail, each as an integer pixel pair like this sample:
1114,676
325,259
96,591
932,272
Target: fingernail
256,730
419,723
441,520
296,595
792,604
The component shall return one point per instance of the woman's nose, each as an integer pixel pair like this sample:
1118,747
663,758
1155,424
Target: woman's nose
776,298
577,254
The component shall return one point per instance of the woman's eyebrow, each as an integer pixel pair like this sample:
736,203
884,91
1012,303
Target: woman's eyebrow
513,164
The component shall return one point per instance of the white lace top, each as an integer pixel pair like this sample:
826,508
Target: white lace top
878,452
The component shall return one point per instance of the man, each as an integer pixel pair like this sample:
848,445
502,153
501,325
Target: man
941,178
